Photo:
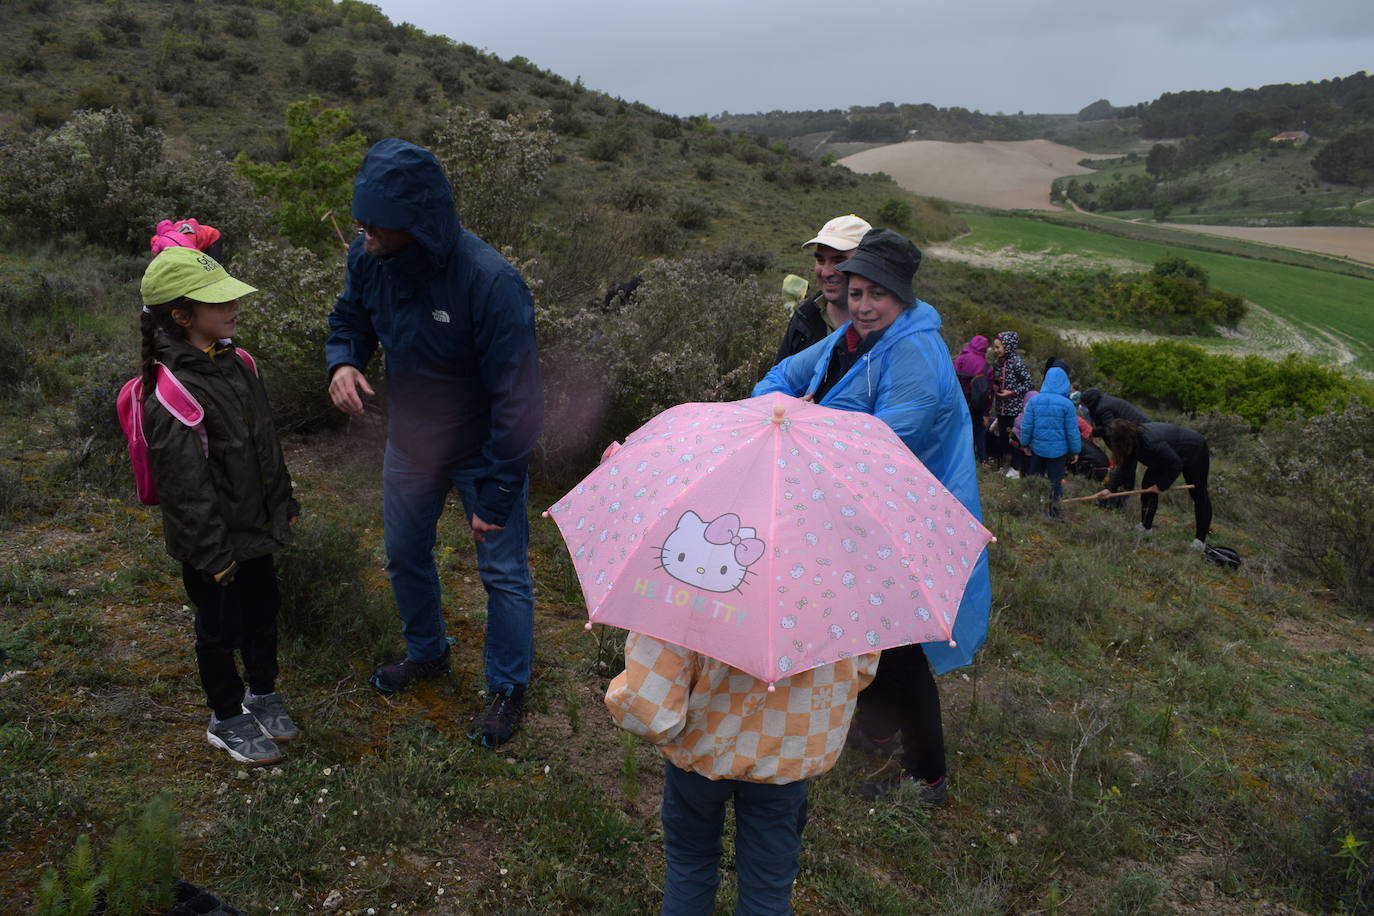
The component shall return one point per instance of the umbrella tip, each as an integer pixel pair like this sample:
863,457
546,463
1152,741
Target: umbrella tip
952,643
544,514
587,625
771,688
778,412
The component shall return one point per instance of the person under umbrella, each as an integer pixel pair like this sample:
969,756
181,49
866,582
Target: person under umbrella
1166,451
890,361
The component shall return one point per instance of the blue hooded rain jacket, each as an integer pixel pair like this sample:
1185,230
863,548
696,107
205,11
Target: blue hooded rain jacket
907,380
1049,424
456,322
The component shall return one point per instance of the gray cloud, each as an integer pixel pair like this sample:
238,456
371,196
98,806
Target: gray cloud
992,55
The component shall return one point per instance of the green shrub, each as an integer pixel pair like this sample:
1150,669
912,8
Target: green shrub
1189,379
894,214
638,194
30,60
242,24
295,34
609,144
610,370
324,609
86,46
325,157
110,180
1314,478
497,169
285,325
691,213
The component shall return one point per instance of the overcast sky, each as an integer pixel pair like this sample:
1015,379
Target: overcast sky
709,56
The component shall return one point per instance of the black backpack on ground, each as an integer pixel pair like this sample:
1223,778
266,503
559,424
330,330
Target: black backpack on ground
1222,556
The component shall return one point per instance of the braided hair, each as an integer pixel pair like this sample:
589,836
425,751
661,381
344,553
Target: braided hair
157,318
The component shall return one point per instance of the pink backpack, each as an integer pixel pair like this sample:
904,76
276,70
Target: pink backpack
179,402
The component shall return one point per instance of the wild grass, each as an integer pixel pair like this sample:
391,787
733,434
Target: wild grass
1138,731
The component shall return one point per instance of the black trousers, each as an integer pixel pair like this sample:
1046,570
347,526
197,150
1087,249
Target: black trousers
241,615
1195,473
903,697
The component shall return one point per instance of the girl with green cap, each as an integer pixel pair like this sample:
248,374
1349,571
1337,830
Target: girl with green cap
224,490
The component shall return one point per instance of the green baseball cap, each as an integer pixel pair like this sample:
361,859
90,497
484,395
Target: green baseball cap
178,272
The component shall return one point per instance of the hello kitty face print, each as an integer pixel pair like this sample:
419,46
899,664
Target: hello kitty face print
714,556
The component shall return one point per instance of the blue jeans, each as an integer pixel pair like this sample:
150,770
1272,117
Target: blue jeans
413,497
768,826
1053,468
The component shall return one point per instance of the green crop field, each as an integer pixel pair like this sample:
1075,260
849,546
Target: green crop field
1324,303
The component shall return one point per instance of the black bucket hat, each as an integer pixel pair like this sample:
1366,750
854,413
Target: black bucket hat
888,259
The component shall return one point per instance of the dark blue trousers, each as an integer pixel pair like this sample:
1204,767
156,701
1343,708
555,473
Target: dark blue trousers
768,827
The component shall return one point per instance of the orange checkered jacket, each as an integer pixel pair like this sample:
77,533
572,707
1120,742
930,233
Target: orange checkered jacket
717,721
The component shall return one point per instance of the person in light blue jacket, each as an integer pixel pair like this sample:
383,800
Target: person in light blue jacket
1049,433
890,361
464,410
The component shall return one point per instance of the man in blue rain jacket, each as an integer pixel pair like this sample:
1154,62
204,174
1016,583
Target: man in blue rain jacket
464,408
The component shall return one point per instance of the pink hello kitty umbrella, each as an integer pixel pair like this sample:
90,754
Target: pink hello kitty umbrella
772,533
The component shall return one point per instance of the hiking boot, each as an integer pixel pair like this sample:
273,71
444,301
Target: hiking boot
498,722
860,740
402,675
244,739
271,714
905,786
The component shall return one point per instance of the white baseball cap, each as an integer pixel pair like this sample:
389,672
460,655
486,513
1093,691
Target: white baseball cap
843,233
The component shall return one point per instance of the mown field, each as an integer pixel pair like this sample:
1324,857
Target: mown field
1329,306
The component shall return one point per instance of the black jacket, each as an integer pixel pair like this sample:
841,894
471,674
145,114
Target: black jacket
1165,450
805,328
1103,408
235,502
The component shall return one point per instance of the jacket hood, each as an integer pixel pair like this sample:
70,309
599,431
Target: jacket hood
977,346
921,316
1090,397
1010,341
1056,382
402,187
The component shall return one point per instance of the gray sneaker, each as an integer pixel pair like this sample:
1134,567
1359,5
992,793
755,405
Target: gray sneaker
244,739
271,714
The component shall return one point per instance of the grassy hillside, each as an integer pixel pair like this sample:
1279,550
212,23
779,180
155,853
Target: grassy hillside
1321,303
1142,733
218,76
1267,187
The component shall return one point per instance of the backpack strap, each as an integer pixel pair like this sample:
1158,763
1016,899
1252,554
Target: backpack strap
244,355
174,396
181,404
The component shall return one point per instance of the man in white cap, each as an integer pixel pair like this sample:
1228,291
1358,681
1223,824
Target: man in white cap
817,316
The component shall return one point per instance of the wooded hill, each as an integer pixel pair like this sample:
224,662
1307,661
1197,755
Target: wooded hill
1225,118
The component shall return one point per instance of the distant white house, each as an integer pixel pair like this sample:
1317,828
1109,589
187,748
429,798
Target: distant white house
1295,137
